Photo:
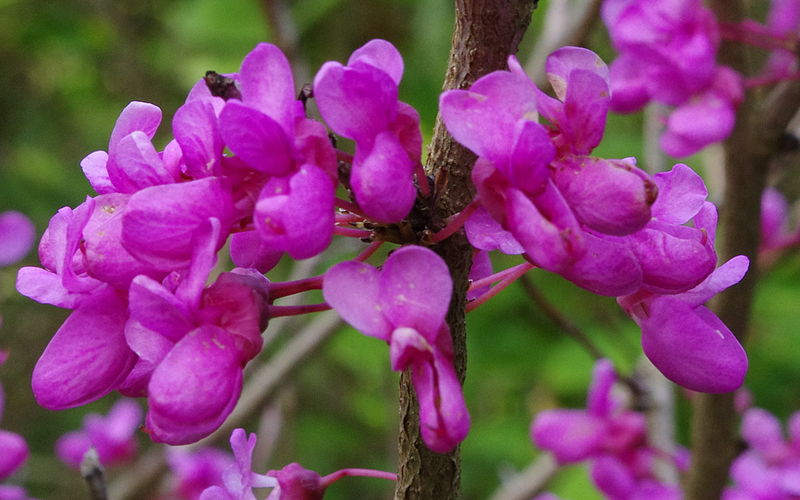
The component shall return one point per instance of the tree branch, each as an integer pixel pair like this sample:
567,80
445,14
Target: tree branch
485,33
94,475
559,319
530,481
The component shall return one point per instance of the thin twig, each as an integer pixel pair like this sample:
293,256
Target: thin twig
530,481
559,319
660,412
94,475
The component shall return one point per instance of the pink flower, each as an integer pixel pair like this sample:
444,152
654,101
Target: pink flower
16,237
269,134
359,101
668,55
194,471
405,305
112,436
686,341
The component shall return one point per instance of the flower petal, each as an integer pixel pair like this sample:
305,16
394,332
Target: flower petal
195,387
268,86
87,357
196,129
159,222
382,55
352,289
382,180
571,435
415,290
355,102
256,138
692,347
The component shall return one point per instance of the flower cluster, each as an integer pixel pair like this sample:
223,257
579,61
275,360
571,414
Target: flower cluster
668,52
611,437
770,468
597,222
112,436
566,209
668,55
248,167
133,262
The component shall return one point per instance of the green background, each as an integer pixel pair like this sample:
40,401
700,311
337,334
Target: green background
66,71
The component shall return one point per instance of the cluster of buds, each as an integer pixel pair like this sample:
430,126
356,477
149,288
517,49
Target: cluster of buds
249,166
611,438
603,224
770,468
668,55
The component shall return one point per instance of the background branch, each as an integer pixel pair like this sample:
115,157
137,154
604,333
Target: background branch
94,475
759,127
530,481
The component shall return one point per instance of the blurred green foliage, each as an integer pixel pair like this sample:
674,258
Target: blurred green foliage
68,68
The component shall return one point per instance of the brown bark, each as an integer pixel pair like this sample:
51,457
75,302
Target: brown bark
485,33
759,127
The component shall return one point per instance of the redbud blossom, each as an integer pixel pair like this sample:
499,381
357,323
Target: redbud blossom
112,436
405,305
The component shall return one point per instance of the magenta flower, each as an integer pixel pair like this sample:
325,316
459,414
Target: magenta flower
359,101
613,438
405,305
238,480
88,357
16,237
562,206
675,45
686,341
603,428
293,482
195,471
131,163
485,233
193,344
675,257
296,483
159,222
269,133
668,55
112,436
770,468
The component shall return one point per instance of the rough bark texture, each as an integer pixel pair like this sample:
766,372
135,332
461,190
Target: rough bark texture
485,33
759,127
